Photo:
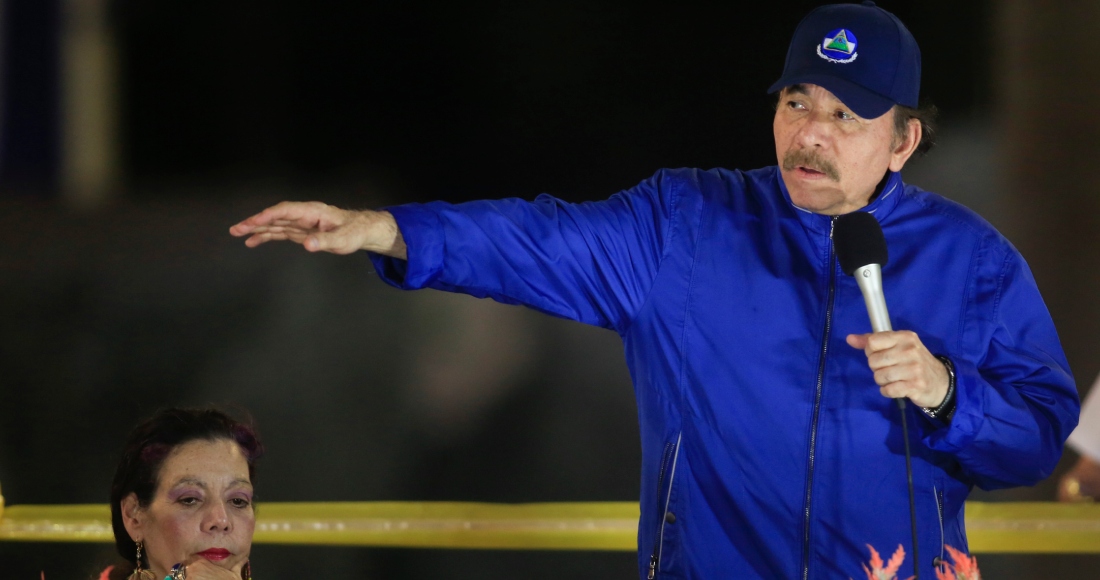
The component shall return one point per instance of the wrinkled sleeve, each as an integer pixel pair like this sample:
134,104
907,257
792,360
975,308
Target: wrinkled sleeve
592,262
1018,403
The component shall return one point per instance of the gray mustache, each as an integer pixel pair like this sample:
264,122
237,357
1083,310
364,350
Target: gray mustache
812,160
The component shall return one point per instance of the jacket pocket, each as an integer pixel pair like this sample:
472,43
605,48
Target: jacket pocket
665,477
937,493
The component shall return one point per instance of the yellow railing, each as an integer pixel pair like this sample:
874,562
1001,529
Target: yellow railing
1037,527
575,526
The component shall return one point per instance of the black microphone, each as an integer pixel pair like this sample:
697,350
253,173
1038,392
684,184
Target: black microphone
861,250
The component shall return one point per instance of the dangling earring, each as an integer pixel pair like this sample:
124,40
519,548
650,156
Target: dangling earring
246,572
139,573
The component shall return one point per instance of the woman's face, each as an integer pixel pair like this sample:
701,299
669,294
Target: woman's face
202,508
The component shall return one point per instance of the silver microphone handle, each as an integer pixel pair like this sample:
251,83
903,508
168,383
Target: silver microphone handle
869,278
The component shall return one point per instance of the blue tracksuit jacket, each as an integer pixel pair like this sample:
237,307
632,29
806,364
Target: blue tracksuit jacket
768,451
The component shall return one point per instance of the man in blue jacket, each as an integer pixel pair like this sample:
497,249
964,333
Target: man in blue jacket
771,448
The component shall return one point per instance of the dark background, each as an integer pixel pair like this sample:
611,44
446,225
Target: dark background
473,99
362,392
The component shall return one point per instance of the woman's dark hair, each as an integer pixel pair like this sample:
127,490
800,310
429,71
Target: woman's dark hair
151,442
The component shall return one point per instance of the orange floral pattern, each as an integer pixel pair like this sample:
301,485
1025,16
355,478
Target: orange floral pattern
962,566
889,571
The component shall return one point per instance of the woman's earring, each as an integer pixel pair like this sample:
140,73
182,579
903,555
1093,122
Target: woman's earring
246,572
139,573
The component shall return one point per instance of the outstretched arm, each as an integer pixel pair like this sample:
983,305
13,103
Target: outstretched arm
593,262
323,228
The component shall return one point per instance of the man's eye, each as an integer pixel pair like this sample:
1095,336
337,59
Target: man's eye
795,105
844,115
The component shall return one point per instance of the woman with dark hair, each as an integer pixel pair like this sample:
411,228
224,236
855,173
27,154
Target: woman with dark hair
181,500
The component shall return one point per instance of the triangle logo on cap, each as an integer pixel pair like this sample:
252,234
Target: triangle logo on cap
838,46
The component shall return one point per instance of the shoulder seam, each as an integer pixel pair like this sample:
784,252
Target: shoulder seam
687,307
946,208
1001,284
673,204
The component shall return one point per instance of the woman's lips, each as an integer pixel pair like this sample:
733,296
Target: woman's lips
216,554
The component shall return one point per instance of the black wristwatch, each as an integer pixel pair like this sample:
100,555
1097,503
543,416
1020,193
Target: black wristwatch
947,408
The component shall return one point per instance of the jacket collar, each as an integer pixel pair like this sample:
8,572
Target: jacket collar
880,207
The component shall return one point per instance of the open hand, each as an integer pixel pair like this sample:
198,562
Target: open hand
321,227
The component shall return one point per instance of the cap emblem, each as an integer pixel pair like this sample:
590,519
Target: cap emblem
838,46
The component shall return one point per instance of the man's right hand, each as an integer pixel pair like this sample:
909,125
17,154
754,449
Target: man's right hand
324,228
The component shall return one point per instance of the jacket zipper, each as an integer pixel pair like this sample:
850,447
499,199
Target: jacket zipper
655,557
817,404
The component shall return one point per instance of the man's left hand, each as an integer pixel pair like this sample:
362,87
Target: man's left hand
903,367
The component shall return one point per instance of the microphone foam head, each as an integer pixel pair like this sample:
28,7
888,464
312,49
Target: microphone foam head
858,241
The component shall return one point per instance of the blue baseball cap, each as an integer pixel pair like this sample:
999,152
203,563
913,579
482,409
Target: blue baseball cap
859,52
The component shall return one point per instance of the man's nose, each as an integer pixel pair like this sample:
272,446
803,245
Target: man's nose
816,130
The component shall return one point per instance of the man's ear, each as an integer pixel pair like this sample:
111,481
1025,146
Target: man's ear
133,517
904,148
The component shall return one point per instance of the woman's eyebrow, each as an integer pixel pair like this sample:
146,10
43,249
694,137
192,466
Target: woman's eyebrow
240,481
189,480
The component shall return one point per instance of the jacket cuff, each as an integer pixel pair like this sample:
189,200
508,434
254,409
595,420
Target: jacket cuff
941,414
969,414
422,231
